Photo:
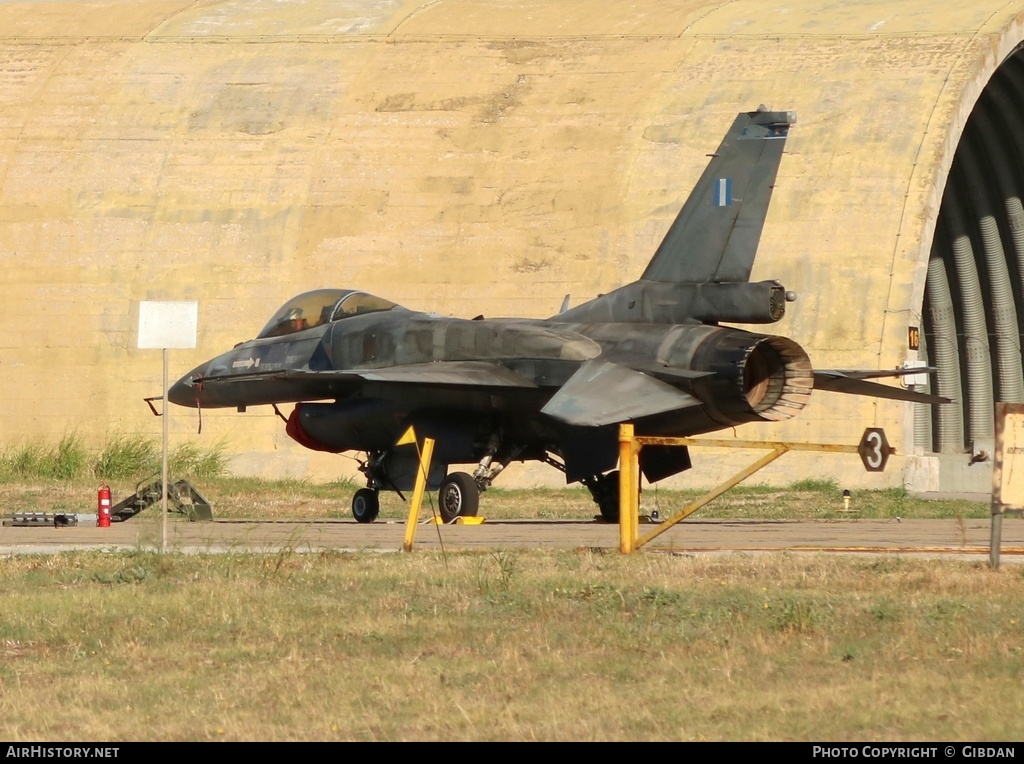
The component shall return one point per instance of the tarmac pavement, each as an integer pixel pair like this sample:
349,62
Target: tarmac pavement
966,538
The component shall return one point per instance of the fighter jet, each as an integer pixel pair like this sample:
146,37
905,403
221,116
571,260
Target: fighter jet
361,370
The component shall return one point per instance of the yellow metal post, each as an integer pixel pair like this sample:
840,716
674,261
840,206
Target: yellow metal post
417,493
628,522
634,493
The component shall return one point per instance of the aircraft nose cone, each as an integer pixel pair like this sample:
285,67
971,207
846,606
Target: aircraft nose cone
184,393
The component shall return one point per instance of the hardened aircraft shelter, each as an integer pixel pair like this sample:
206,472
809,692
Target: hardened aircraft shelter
490,156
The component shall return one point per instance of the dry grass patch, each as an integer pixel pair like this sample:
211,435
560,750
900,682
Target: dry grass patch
507,646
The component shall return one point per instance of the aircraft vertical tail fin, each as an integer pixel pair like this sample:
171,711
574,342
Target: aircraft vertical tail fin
701,271
714,238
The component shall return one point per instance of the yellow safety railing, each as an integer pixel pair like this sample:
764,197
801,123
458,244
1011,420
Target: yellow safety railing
630,446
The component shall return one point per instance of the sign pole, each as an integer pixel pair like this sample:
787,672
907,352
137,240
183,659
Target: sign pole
163,467
166,325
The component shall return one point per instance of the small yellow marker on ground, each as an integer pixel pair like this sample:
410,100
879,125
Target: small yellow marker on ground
460,520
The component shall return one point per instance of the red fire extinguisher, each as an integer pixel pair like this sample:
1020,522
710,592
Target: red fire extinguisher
103,511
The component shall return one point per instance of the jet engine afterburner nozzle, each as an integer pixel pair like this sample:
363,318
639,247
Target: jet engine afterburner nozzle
749,377
777,378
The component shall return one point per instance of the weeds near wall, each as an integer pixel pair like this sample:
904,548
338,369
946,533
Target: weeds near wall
127,457
827,485
124,457
65,461
191,461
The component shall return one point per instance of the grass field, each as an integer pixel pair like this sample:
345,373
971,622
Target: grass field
506,645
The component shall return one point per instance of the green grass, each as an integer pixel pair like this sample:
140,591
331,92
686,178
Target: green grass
503,645
816,485
124,458
190,461
127,457
815,500
66,460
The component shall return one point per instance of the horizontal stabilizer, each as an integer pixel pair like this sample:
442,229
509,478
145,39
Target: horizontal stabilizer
854,382
603,393
875,373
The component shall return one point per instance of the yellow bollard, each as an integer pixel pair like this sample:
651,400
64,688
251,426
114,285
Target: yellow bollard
417,493
628,509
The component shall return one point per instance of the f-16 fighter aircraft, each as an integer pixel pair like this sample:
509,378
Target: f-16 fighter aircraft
362,370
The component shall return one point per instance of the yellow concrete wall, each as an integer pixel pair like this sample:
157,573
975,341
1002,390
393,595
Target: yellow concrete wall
461,156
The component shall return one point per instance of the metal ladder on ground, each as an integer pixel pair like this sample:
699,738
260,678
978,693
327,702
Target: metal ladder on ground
181,495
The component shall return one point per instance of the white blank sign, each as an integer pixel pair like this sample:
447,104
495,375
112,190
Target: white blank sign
168,324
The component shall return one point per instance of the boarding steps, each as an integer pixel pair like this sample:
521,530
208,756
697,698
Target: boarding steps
181,497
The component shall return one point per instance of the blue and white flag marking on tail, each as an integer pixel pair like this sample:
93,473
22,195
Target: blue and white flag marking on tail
723,192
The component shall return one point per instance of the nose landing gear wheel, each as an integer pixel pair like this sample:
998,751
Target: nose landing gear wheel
365,505
459,495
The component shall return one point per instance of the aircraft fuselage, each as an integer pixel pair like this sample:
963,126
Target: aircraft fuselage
349,361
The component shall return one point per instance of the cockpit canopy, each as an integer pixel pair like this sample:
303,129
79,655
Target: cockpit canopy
320,307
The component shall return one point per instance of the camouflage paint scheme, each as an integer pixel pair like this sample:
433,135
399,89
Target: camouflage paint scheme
362,369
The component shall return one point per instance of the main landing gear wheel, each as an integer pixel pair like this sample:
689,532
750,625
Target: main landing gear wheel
459,496
365,505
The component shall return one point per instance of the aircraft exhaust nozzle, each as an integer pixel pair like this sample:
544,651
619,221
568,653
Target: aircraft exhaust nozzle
747,377
776,378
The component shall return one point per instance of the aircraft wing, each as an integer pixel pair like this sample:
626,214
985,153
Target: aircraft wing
603,393
444,373
465,373
854,382
291,385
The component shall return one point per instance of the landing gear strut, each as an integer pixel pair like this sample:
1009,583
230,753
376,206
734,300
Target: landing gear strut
488,469
459,494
